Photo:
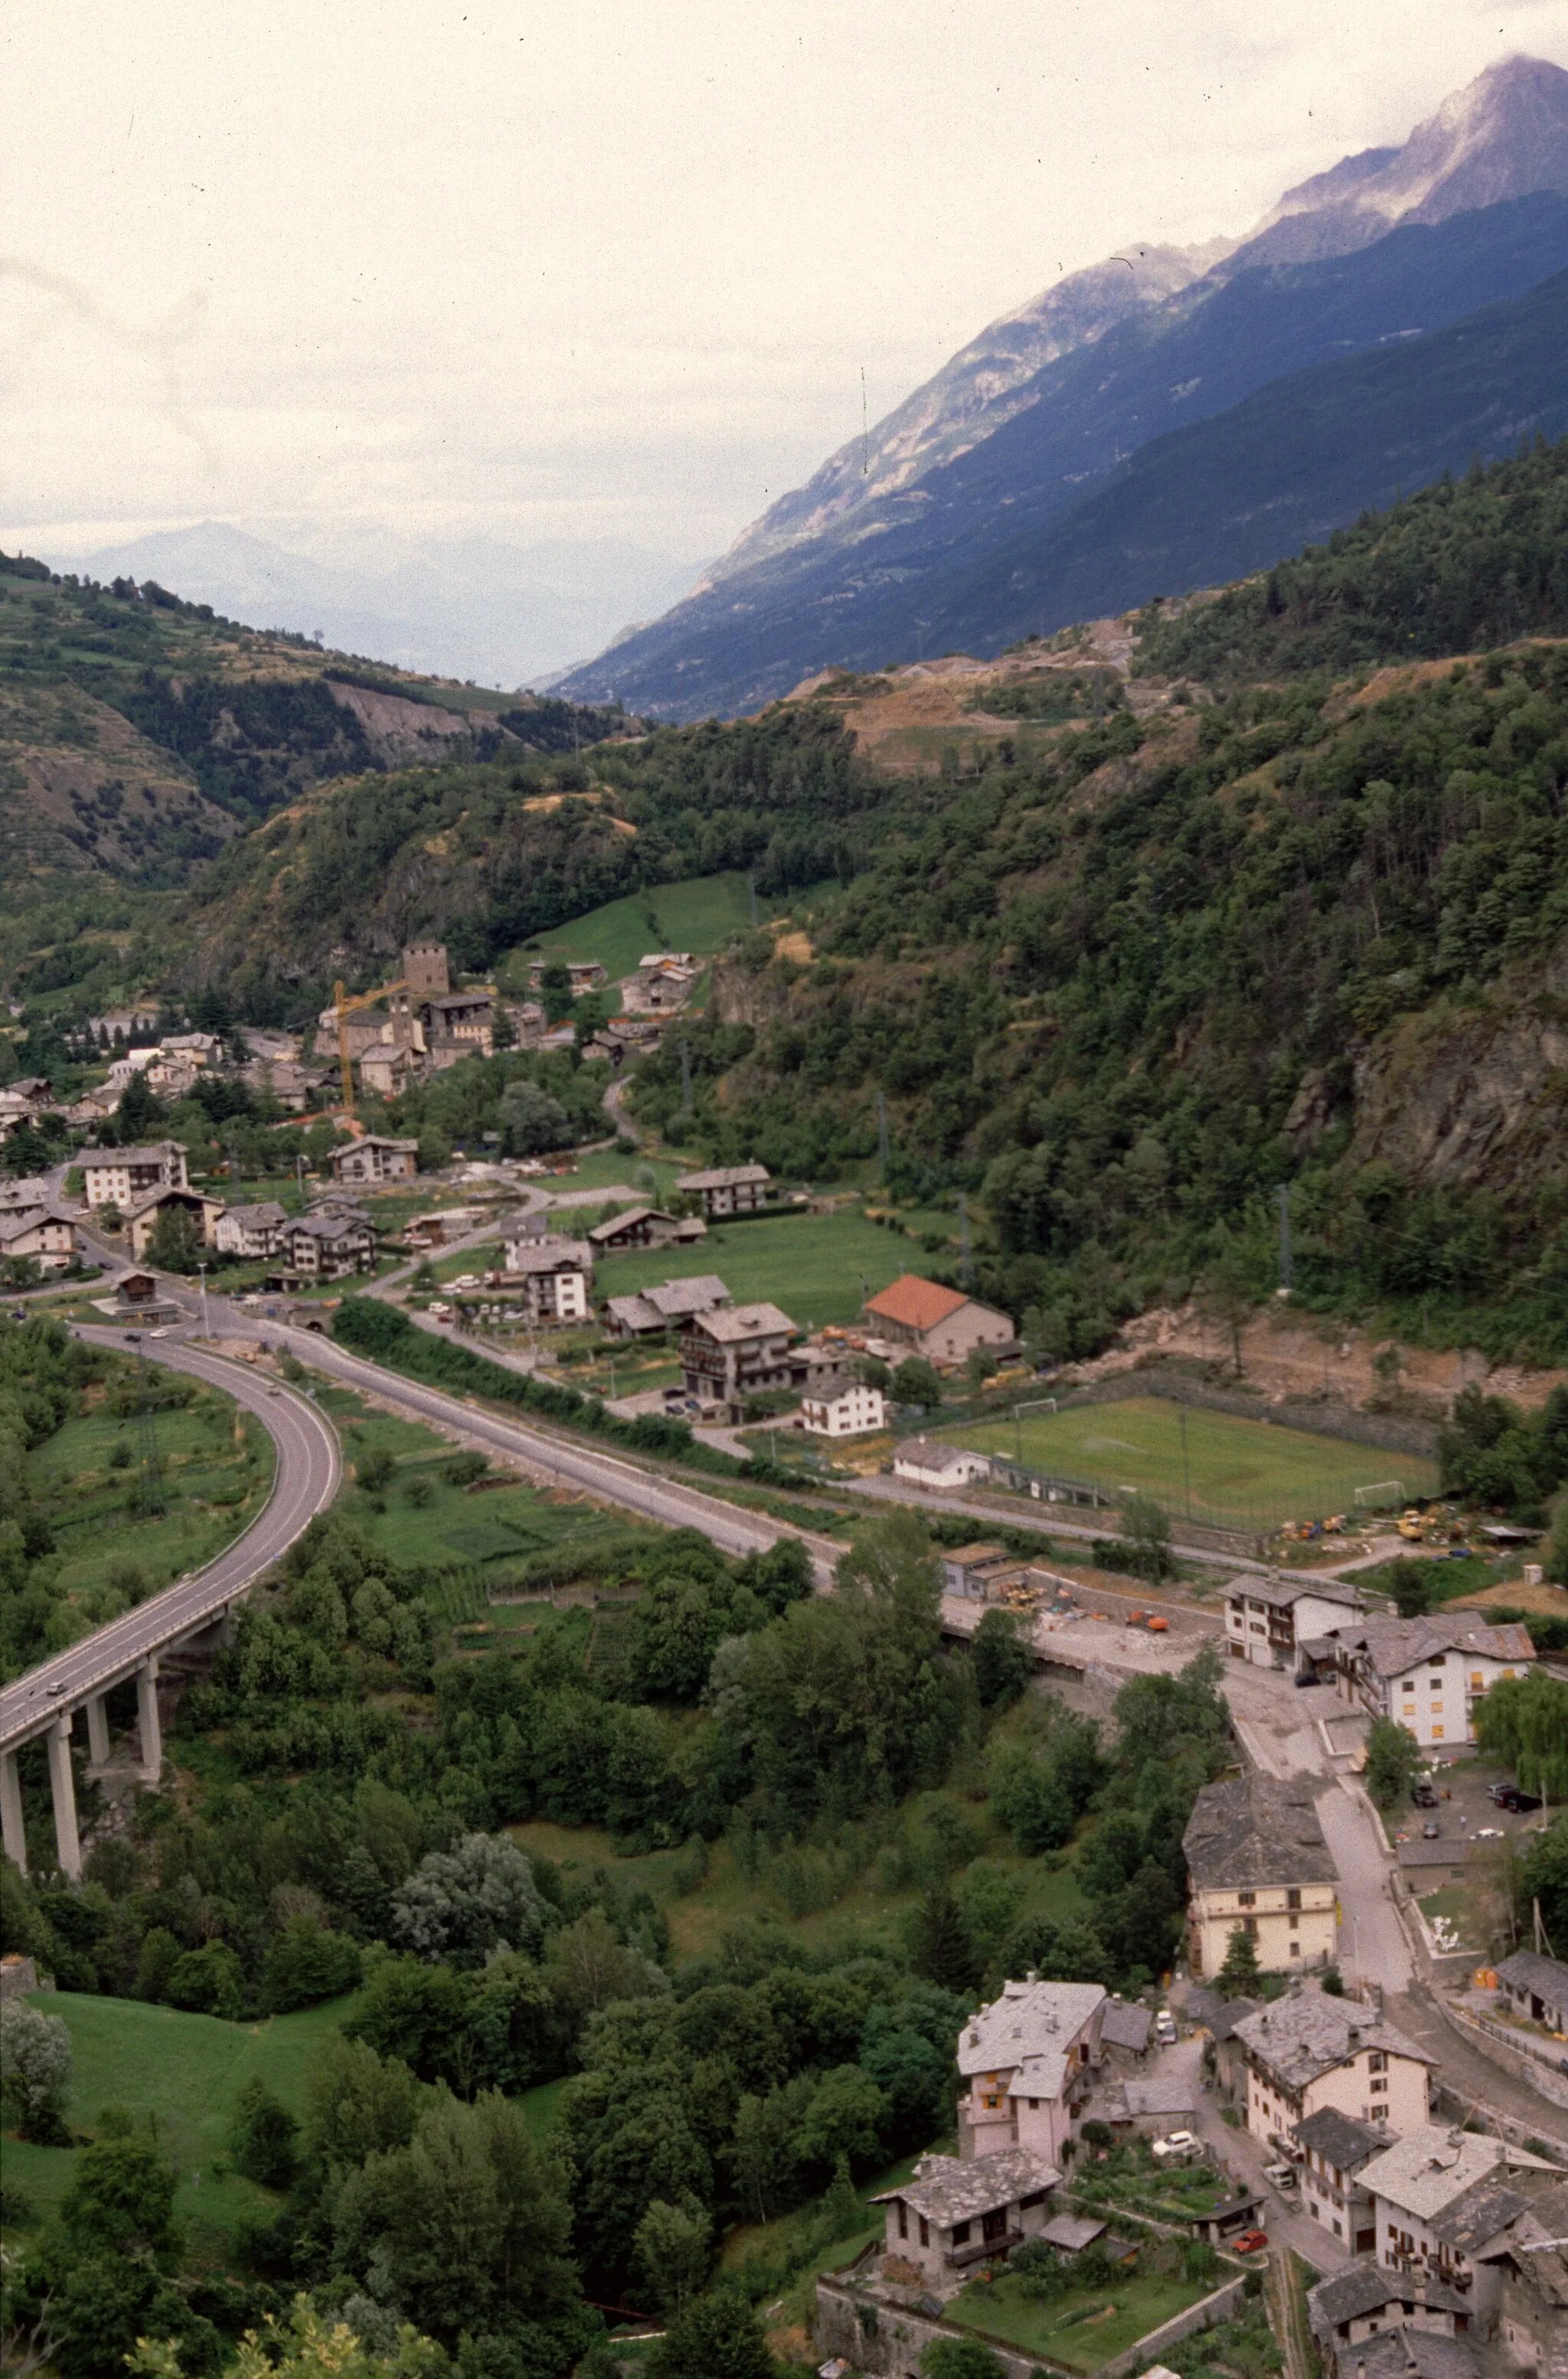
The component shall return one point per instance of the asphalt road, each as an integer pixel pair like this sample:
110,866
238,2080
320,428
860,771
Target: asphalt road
647,1493
305,1481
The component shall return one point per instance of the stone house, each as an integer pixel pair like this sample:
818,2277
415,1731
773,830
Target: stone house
729,1189
848,1411
956,2211
1359,2301
1336,2150
942,1324
1027,2058
1526,2271
127,1177
463,1018
1257,1862
1219,2017
251,1230
373,1157
1536,1989
654,1311
387,1069
1270,1621
556,1274
1125,2025
1309,2051
1445,2202
585,975
931,1462
731,1353
1429,1675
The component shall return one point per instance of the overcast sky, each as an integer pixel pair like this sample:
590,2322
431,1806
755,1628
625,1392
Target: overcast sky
599,267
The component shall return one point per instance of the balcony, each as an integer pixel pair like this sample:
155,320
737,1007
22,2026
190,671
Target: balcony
980,2251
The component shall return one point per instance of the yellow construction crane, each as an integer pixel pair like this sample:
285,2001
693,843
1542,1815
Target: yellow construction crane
346,1007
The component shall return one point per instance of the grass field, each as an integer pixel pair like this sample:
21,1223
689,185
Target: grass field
1082,2333
699,916
188,2072
215,1465
817,1267
1239,1471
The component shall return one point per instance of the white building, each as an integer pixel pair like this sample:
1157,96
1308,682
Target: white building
1027,2058
851,1411
1269,1620
374,1158
251,1231
1309,2050
143,1220
727,1189
557,1276
41,1235
930,1462
1442,2197
1429,1674
127,1177
1257,1863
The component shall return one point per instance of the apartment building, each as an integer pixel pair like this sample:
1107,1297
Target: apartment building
1257,1863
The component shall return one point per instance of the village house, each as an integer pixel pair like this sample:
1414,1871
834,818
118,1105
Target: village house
326,1247
140,1296
654,1311
1359,2301
967,1572
40,1235
1218,2017
635,1227
464,1017
954,2213
1271,1621
200,1048
1429,1674
729,1189
1125,2025
1027,2057
1335,2149
1257,1863
1309,2050
942,1324
251,1230
15,1195
386,1067
556,1275
1536,1989
850,1410
663,980
731,1353
142,1221
94,1107
1526,2274
585,975
123,1177
1444,2200
375,1158
931,1462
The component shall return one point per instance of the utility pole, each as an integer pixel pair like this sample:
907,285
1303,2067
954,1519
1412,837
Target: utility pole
1288,1274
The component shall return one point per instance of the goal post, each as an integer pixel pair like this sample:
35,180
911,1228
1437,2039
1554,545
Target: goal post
1384,1490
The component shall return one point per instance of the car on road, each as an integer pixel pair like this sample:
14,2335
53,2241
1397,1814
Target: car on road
1164,2029
1430,1831
1281,2175
1251,2242
1177,2147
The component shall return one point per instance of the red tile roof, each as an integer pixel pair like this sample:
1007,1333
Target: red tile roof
916,1304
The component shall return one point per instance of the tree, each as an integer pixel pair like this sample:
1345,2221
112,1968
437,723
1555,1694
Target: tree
263,2138
208,1982
305,1964
1002,1659
672,2249
138,1115
1147,1531
463,1903
35,2071
532,1121
555,991
845,2118
960,2358
1227,1295
942,1951
308,2345
176,1243
1394,1761
1240,1974
916,1383
716,2337
357,2103
1412,1587
121,2200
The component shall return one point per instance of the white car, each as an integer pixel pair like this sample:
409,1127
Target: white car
1176,2147
1281,2175
1164,2029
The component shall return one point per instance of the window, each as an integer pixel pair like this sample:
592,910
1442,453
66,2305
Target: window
1247,1899
1377,2062
960,2234
1475,1679
1437,1735
1295,1949
1381,2084
994,2225
903,2220
1034,2106
1294,1922
1293,1899
1436,1659
925,2231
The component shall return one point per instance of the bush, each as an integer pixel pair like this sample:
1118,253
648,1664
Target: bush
306,1963
264,2137
207,1982
35,2071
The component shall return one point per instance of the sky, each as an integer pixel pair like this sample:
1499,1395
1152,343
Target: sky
362,276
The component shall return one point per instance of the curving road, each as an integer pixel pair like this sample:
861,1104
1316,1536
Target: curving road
305,1481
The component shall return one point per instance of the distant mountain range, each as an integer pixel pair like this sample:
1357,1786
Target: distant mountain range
472,609
1051,470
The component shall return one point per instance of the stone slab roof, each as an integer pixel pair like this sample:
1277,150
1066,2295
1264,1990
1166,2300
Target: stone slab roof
1394,1645
1071,2233
1433,2167
530,1256
1415,2354
724,1177
1282,1593
1308,2033
1159,2095
1251,1832
1125,2026
932,1454
675,1298
1547,1977
1030,2020
1362,2287
733,1325
948,2191
1339,2139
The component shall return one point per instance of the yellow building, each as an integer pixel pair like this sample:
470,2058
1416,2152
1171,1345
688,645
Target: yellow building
1257,1863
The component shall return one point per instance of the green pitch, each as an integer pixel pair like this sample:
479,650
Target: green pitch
1236,1470
815,1267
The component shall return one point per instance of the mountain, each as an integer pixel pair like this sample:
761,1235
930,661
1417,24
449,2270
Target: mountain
856,565
472,609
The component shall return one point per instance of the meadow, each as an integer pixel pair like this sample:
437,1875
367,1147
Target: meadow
1207,1464
700,915
1083,2330
816,1267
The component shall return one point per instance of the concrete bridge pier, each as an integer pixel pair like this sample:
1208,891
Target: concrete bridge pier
97,1730
147,1719
63,1789
13,1832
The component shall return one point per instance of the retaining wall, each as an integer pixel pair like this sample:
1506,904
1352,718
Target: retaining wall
1386,1430
1550,2078
895,2343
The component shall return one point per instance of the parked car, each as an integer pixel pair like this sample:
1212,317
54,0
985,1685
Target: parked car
1281,2175
1425,1795
1165,2029
1508,1796
1430,1831
1251,2242
1177,2147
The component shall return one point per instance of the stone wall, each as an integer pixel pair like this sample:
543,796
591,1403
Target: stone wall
885,2342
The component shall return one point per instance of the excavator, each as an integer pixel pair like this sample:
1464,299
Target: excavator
346,1007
